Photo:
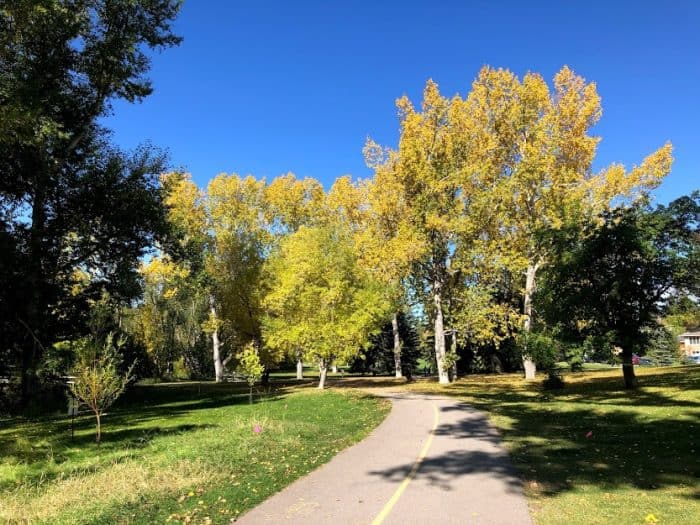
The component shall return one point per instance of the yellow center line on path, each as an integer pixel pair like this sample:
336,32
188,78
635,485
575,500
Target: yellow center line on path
399,491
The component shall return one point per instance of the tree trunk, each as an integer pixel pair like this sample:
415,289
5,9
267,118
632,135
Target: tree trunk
323,371
454,355
397,344
31,353
334,368
98,429
216,345
628,370
300,366
528,363
250,394
443,376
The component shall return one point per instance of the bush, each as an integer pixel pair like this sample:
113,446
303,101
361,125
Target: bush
542,349
574,357
553,381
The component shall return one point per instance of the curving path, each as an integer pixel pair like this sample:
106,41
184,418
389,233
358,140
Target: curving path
433,460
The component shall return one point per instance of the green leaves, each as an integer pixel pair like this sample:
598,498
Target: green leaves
320,299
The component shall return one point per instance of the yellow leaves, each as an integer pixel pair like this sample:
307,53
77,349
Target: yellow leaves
80,280
185,203
616,183
236,203
293,202
346,200
249,364
653,169
320,299
212,323
162,270
170,293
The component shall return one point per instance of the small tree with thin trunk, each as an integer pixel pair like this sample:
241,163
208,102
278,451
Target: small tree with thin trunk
249,365
99,383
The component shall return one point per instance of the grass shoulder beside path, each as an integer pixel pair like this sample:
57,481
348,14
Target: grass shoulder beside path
185,453
593,452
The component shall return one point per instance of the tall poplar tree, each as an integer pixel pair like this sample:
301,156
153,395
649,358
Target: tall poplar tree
538,145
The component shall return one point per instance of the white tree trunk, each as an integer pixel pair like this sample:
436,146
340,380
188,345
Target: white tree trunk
443,376
300,366
323,371
334,368
397,344
528,363
216,346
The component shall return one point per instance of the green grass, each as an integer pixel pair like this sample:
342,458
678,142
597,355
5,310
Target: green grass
175,452
641,463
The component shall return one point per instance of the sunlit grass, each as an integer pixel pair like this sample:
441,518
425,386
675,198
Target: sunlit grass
175,452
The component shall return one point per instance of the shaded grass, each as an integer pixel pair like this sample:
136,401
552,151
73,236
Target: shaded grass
175,451
641,462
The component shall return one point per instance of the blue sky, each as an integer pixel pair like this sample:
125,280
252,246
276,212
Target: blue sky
269,87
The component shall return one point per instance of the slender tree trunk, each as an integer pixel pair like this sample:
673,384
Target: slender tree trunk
334,368
528,363
454,355
250,394
98,430
216,345
628,370
443,376
300,366
323,371
397,344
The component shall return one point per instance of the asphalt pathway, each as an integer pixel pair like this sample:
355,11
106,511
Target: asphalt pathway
433,460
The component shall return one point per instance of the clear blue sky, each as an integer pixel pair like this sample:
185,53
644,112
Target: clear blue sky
269,87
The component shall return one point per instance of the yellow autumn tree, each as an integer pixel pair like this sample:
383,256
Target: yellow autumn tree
290,204
225,234
420,206
320,300
538,148
385,240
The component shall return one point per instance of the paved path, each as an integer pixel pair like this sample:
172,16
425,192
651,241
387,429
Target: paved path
433,460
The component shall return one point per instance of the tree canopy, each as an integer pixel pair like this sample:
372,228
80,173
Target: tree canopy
69,201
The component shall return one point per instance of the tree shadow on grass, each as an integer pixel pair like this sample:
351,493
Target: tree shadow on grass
140,416
367,382
592,433
117,446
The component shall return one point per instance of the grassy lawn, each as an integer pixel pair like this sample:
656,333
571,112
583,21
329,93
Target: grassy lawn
175,452
640,464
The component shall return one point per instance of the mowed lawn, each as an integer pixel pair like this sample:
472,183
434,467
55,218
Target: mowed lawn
640,463
185,453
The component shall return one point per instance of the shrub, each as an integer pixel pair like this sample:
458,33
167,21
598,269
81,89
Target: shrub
553,381
542,349
574,357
